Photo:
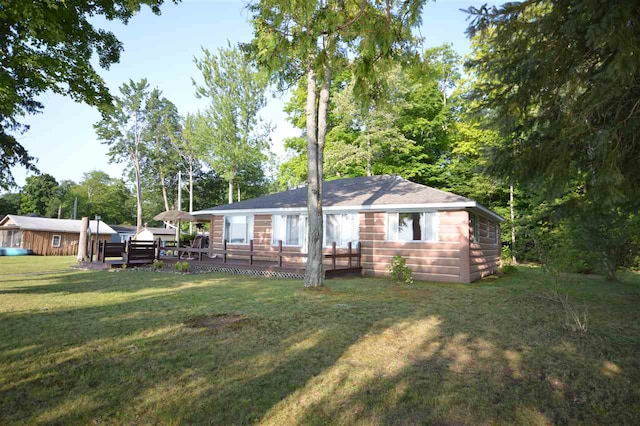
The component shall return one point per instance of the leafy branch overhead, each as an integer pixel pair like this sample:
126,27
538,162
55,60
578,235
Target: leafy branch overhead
48,46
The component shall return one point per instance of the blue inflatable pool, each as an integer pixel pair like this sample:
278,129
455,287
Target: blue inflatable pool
15,252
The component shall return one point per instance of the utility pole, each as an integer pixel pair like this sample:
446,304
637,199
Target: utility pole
75,208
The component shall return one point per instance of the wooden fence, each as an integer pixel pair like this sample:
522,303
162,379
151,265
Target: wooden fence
353,256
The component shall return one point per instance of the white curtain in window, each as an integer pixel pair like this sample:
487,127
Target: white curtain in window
341,228
238,229
412,226
290,229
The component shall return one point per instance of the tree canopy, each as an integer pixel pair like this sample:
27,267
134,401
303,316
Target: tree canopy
48,46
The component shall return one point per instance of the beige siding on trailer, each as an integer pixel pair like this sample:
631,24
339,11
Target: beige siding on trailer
484,255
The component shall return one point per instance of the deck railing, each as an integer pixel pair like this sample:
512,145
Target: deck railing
352,255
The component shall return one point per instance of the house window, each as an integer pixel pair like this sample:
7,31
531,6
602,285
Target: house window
495,233
475,224
238,229
11,238
412,226
341,228
55,241
289,228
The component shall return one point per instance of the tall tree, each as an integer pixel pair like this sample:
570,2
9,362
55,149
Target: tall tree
37,194
186,145
163,125
48,46
316,39
122,129
9,204
562,80
233,137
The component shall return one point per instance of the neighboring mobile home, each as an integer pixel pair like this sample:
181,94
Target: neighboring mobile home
46,236
443,236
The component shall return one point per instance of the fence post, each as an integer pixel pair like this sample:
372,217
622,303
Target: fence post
127,252
359,253
93,243
251,252
333,255
159,247
224,251
280,253
349,247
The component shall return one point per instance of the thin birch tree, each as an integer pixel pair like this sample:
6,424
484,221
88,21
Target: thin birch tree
122,130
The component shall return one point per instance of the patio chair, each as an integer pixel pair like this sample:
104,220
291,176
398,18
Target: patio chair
199,242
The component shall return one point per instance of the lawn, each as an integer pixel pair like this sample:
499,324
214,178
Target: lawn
146,347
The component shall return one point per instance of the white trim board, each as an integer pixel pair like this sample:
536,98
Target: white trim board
383,208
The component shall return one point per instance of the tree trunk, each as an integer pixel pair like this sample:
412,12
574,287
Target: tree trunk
230,190
190,195
82,241
314,275
164,190
138,195
514,259
369,155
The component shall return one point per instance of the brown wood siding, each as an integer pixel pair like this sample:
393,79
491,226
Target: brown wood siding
432,261
40,242
484,255
262,231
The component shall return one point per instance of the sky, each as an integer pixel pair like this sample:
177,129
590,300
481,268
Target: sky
161,49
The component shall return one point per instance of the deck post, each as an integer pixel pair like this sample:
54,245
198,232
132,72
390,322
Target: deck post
159,247
280,253
93,243
333,255
251,252
359,253
104,249
349,247
127,252
224,251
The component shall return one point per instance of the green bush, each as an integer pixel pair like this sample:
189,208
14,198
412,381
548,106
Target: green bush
157,264
506,254
399,270
182,266
508,269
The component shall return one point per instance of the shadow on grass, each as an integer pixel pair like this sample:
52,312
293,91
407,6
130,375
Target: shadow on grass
364,352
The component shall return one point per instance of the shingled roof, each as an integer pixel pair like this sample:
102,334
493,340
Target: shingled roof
32,223
358,193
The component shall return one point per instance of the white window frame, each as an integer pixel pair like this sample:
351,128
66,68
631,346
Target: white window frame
302,230
475,222
53,238
249,223
355,221
394,218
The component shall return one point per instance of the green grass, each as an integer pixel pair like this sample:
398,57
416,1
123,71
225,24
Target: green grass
10,265
146,347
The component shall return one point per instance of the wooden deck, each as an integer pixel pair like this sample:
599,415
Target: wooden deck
239,262
262,267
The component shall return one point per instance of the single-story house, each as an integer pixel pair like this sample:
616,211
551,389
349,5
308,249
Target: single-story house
147,233
442,236
46,236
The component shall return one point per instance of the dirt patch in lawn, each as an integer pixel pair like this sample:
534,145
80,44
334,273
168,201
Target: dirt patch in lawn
217,321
